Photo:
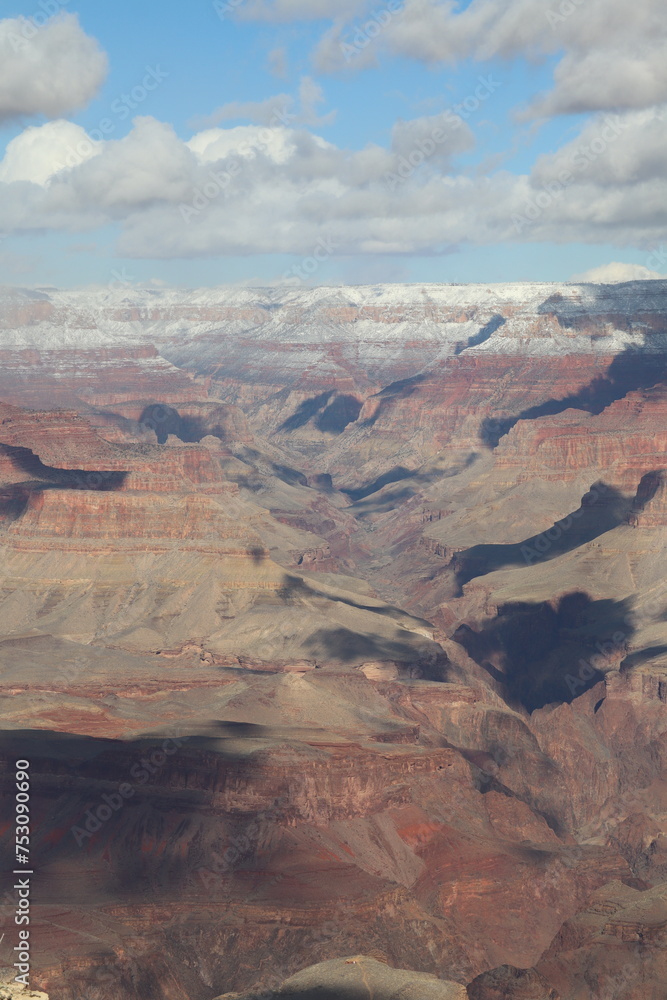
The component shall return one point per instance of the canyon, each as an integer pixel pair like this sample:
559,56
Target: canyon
333,623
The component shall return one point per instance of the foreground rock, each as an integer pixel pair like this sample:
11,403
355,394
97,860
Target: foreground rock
10,990
508,983
358,978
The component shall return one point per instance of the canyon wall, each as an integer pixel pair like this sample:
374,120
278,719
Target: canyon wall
332,622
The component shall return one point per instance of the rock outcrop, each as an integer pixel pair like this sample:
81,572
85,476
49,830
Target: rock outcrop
508,983
357,978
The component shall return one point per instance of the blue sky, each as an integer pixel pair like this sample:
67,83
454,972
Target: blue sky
451,219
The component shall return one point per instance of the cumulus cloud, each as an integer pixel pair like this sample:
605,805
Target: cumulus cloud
246,141
612,57
603,79
38,153
608,183
617,272
436,137
612,151
49,70
253,190
150,165
259,189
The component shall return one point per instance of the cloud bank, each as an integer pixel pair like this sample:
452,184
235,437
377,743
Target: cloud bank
47,70
253,189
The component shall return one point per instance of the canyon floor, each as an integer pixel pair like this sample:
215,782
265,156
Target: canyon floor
333,624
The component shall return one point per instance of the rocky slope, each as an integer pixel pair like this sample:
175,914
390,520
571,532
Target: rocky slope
358,977
358,594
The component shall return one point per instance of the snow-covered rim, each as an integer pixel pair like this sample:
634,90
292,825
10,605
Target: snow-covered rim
522,317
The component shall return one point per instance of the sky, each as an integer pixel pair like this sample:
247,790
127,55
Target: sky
302,142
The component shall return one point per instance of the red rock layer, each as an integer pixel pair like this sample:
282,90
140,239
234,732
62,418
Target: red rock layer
103,376
625,441
112,517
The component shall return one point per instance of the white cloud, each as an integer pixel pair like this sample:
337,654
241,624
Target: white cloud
612,151
612,57
310,95
342,48
150,165
38,153
48,70
247,141
604,79
253,189
617,272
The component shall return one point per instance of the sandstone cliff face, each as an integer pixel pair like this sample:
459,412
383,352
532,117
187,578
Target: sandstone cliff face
111,517
613,947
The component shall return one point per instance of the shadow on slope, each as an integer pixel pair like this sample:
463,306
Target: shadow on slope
482,335
549,652
306,411
631,370
329,416
14,497
342,411
401,389
283,472
602,509
294,588
13,501
348,647
399,473
642,656
166,420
